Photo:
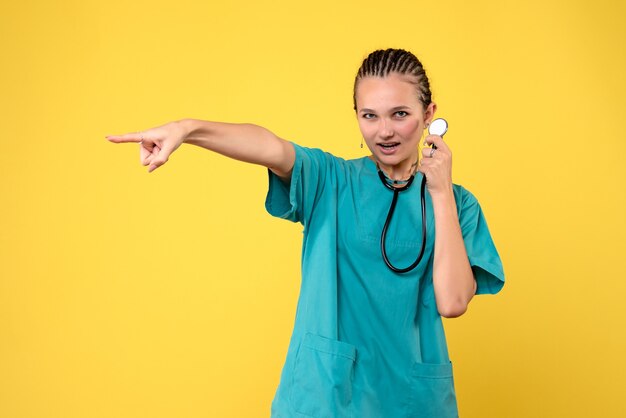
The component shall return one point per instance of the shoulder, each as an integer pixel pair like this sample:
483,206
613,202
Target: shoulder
463,197
304,151
322,157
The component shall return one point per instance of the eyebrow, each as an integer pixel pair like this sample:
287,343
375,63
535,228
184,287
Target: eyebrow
393,109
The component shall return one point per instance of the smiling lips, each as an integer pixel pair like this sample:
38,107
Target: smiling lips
388,147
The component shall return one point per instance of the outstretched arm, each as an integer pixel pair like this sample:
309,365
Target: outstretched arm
242,141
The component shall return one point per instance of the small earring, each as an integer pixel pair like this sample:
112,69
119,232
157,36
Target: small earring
361,142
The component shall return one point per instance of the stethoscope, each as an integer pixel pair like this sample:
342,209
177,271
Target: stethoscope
437,127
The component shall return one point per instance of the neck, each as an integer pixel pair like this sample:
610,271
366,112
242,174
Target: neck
402,171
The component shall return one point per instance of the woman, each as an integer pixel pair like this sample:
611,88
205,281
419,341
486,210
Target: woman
367,341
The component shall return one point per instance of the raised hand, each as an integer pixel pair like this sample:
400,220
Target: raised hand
436,164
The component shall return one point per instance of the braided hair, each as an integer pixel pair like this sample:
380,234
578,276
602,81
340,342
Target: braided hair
381,63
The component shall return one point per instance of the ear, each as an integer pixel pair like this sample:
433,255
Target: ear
430,113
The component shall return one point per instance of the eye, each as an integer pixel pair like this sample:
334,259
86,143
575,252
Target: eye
401,113
367,115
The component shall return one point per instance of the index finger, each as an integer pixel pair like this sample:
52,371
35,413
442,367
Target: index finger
131,137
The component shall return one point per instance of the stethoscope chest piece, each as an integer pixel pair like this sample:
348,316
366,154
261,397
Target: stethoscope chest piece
438,127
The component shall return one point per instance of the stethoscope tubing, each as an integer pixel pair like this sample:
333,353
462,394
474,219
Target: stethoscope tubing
396,192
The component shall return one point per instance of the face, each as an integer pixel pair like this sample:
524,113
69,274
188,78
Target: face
391,119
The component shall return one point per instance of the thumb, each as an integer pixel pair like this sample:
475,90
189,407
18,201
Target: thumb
161,157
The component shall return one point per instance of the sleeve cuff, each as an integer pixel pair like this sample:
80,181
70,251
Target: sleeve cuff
489,277
281,200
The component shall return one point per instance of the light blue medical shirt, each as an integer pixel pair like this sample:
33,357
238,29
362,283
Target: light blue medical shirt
368,342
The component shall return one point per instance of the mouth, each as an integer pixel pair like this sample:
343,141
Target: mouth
388,147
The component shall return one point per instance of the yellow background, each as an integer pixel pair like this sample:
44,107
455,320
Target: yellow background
172,294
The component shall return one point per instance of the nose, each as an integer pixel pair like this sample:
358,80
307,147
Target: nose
385,128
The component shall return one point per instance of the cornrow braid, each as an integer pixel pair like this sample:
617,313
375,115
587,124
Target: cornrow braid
381,63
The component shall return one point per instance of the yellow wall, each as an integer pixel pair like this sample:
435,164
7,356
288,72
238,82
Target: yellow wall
172,294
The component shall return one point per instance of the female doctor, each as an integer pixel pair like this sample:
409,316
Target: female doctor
368,339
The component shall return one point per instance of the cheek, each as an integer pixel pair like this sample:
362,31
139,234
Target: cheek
367,129
409,128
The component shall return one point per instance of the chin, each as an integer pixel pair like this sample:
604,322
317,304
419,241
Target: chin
391,160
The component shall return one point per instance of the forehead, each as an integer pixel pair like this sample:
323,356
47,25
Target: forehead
389,91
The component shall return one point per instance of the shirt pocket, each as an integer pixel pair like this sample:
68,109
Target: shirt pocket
322,377
432,391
